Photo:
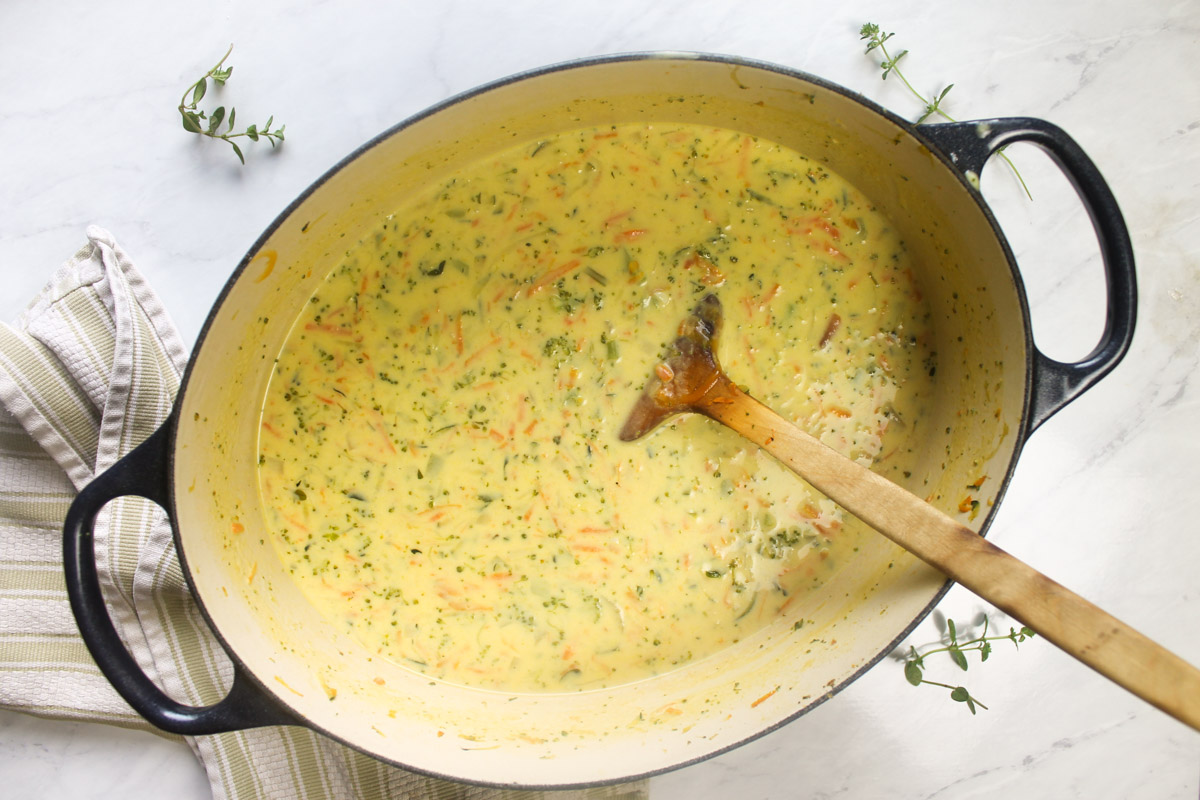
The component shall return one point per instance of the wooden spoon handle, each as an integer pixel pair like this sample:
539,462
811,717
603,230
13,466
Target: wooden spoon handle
1080,628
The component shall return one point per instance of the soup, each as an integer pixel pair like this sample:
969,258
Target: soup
439,460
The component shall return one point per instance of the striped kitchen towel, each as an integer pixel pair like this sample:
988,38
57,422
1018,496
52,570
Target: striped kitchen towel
87,372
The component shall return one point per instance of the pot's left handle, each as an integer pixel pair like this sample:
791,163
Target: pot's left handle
144,472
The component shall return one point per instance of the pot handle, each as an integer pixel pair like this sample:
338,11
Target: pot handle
968,145
144,472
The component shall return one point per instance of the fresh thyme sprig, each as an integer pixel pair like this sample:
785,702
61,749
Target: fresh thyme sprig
890,65
196,121
914,662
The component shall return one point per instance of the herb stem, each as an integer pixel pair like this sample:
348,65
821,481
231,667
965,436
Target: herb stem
183,103
934,107
193,117
914,662
890,65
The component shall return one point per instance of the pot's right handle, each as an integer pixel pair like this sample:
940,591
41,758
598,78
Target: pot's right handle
968,145
145,472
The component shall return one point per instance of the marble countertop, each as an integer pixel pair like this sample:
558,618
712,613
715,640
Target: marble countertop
1101,499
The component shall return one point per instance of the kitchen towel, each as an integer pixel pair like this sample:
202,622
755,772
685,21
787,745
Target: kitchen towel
87,372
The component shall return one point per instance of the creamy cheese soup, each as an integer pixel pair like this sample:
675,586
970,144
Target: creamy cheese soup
439,459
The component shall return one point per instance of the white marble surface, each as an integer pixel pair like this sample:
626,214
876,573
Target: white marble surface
1103,498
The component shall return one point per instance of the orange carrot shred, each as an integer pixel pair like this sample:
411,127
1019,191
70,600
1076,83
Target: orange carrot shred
553,275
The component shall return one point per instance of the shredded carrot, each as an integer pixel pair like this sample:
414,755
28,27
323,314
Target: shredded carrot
563,166
828,227
764,698
336,330
827,531
712,276
553,275
457,606
295,523
615,218
770,295
436,509
503,291
744,157
629,235
380,426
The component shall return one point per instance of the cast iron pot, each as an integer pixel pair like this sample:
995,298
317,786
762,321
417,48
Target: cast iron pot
994,389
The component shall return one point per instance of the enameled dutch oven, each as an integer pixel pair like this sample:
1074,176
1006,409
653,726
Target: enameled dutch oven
994,389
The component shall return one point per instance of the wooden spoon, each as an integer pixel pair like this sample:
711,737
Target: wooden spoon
690,379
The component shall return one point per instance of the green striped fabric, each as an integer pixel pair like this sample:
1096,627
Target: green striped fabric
87,373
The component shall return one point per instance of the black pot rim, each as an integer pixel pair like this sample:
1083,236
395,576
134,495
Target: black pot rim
574,64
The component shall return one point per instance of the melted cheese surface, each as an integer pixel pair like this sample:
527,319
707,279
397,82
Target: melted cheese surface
439,460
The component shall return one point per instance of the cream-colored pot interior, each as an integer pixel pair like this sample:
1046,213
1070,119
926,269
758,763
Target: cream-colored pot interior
595,736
